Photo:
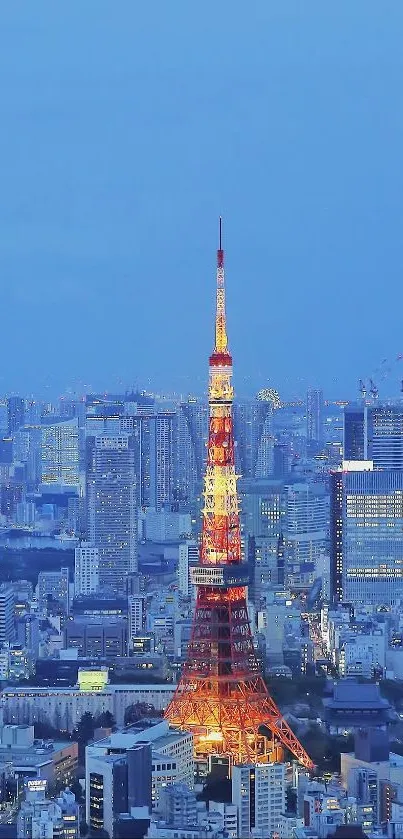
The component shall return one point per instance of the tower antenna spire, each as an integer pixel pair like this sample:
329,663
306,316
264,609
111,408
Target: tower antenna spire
221,340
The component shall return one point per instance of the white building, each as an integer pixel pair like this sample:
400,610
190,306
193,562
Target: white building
86,568
165,525
229,816
359,655
188,556
258,792
41,818
172,757
64,707
136,616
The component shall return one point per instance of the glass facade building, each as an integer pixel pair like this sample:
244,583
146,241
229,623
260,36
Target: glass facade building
371,536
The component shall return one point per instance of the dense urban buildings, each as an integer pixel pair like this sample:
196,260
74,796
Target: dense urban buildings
279,525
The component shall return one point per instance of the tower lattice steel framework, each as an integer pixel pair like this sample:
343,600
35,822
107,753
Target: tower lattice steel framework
221,696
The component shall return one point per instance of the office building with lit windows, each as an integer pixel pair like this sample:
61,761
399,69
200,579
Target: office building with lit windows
367,535
60,459
112,506
86,568
258,792
131,767
374,432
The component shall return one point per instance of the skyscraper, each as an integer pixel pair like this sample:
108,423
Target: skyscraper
7,629
16,414
374,432
306,531
314,416
112,506
185,476
367,535
60,456
156,461
254,438
196,413
354,438
161,460
136,613
384,432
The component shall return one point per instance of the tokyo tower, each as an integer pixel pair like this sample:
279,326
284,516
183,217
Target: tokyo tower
221,696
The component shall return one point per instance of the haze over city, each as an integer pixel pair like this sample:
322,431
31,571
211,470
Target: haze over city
128,128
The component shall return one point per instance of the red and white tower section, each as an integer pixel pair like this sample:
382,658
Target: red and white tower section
221,696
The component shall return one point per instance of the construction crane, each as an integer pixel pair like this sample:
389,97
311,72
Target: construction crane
373,389
382,373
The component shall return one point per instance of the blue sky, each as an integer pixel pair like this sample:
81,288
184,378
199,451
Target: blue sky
127,127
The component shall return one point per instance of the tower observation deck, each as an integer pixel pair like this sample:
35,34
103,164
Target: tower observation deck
221,696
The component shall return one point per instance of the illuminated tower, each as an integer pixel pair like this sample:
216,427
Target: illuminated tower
221,696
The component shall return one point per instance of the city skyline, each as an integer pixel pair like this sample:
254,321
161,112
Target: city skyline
201,576
287,124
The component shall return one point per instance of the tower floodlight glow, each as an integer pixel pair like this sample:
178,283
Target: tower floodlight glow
221,696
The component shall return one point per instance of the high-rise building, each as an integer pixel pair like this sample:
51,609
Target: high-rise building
112,507
306,531
7,598
384,434
60,453
129,769
16,414
367,535
136,614
258,792
374,432
156,459
185,477
27,449
354,437
254,438
263,512
196,413
86,568
188,558
314,416
264,507
3,417
161,460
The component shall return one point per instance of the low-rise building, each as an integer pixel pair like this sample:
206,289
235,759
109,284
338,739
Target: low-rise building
41,817
64,707
51,761
355,705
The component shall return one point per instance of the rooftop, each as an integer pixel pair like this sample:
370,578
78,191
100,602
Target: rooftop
348,693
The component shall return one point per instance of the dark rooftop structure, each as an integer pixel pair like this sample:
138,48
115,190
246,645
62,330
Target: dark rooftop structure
349,831
356,705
